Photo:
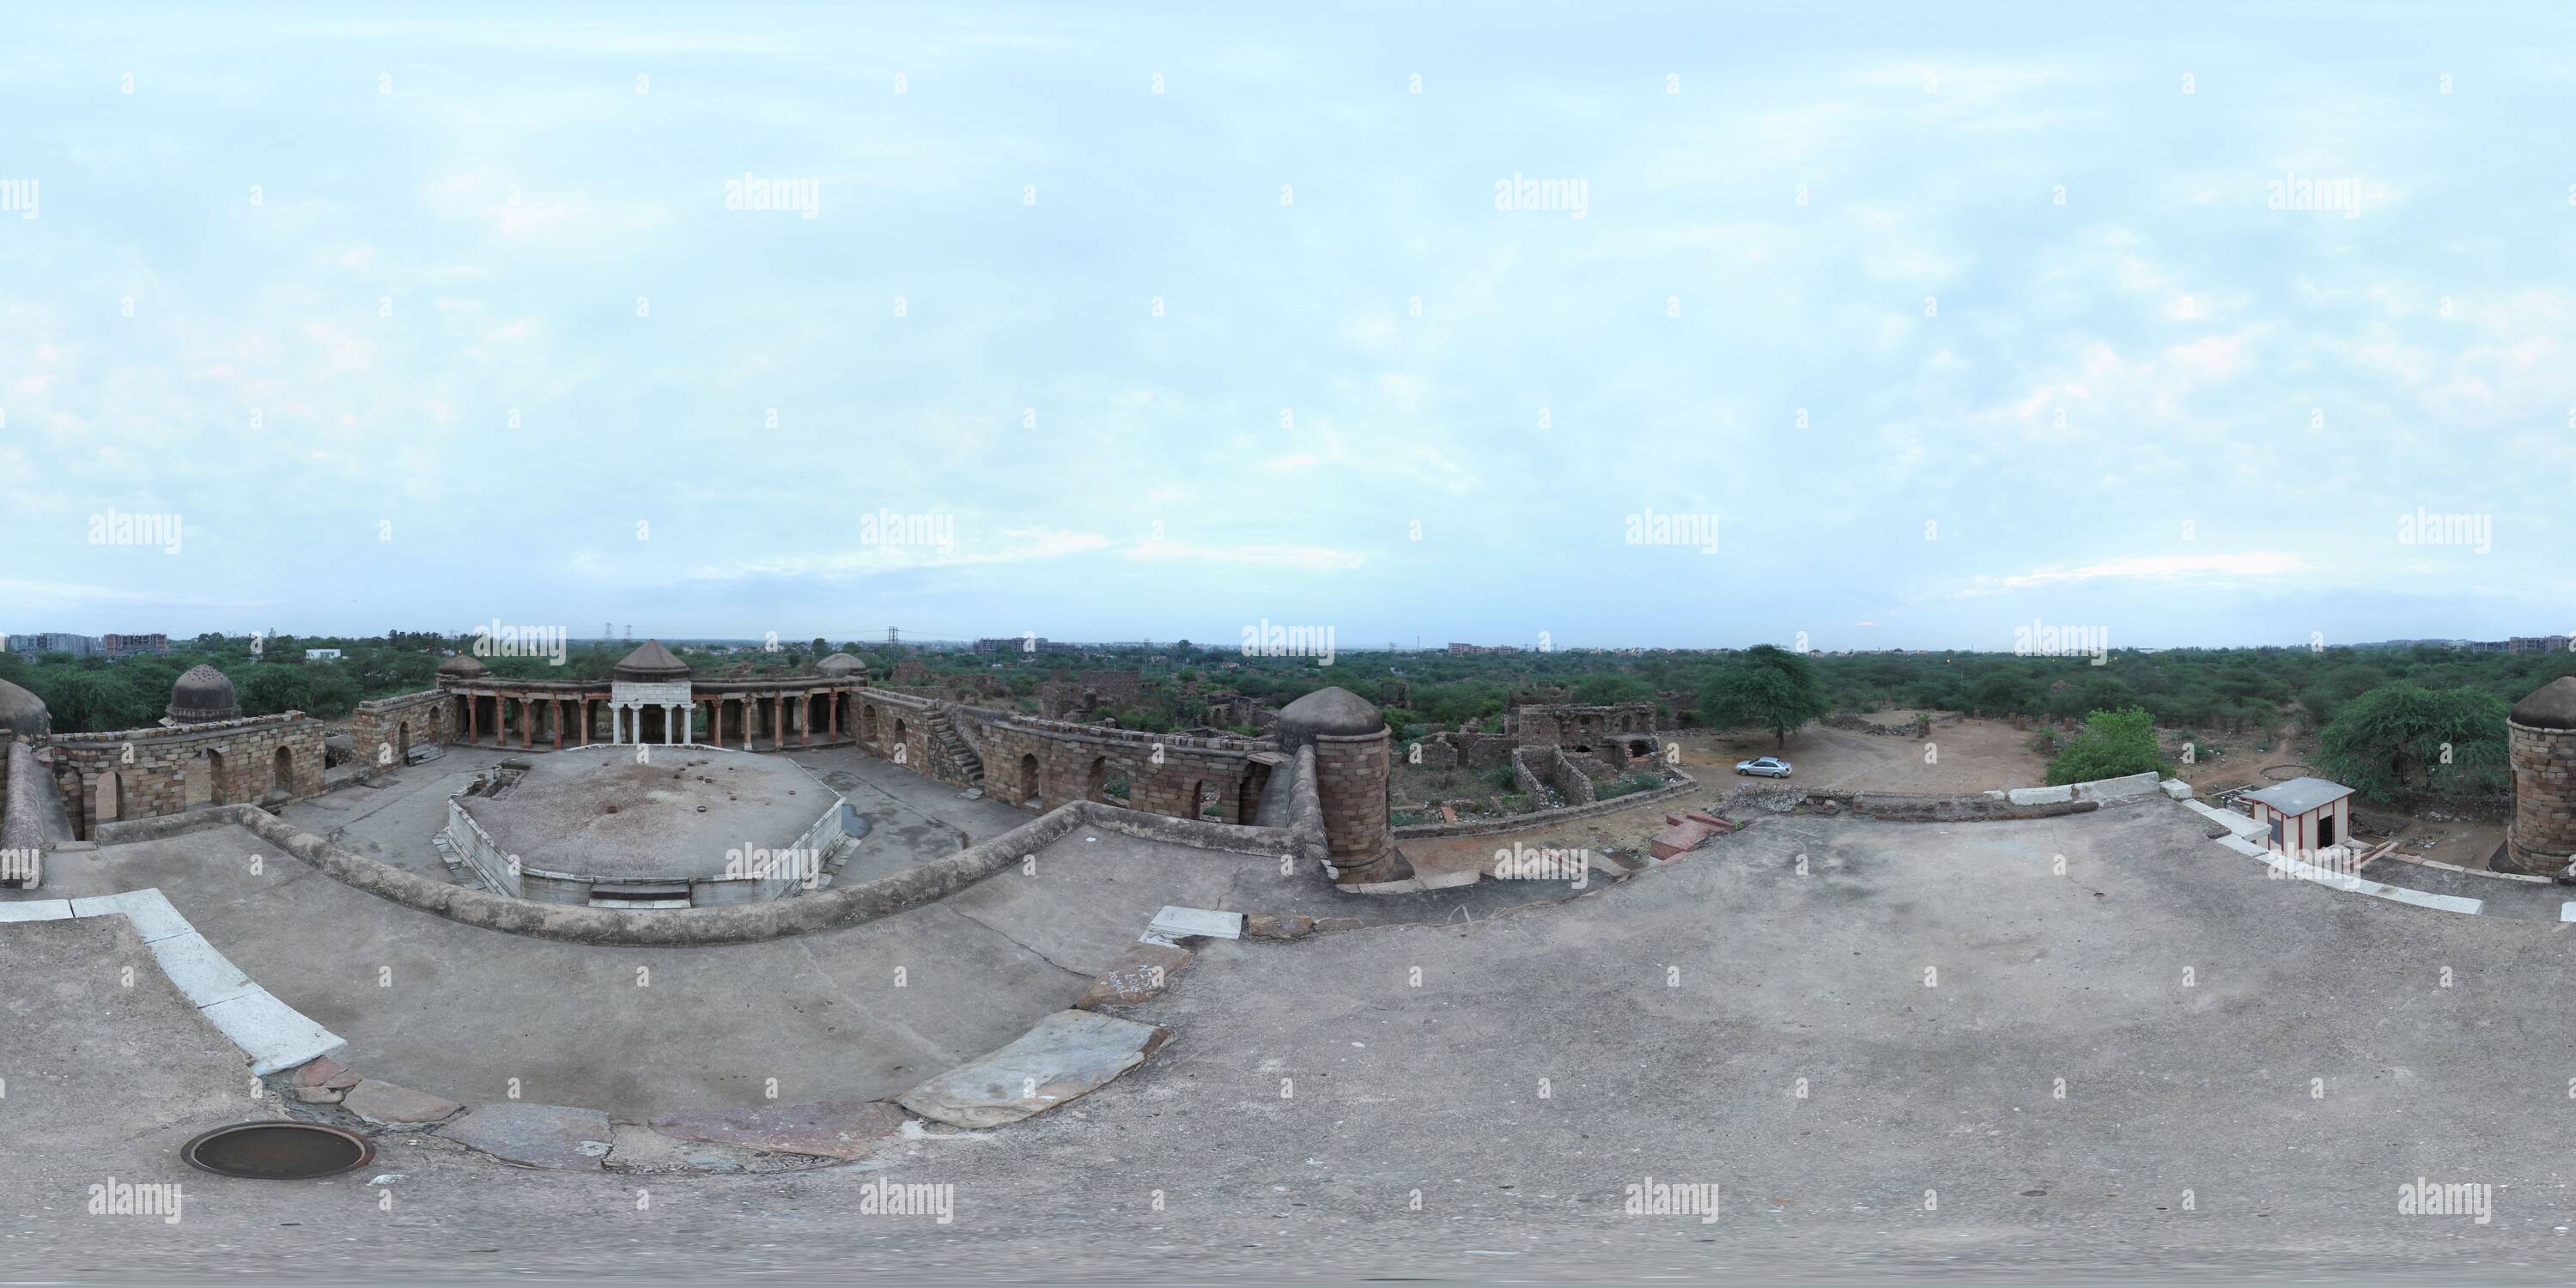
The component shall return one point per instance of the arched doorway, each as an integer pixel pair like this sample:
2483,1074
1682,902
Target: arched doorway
1206,803
281,775
1095,781
1029,793
402,742
868,723
902,740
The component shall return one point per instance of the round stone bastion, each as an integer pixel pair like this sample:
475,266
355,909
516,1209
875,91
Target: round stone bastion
689,827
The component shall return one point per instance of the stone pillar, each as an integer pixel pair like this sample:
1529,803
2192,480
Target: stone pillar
558,724
805,719
777,731
832,718
2540,739
469,719
584,735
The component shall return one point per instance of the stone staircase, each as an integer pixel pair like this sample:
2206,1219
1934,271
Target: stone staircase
958,762
458,870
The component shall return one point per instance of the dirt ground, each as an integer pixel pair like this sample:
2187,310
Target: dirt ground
1964,756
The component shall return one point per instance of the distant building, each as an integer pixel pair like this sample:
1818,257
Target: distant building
54,642
127,645
321,655
2536,644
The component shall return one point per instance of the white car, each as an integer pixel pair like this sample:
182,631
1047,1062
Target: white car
1763,767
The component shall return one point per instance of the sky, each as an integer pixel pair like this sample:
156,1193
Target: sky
1555,326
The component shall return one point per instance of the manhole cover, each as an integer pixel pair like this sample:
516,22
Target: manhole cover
278,1151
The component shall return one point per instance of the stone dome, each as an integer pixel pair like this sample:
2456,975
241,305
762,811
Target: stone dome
22,714
841,664
201,695
651,664
2551,706
1333,711
463,666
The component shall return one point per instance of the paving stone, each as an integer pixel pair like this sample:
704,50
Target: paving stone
829,1128
1139,974
1069,1054
1324,925
321,1095
389,1105
557,1137
327,1072
1289,926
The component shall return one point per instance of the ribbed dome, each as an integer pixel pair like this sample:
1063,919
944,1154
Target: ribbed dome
652,664
841,664
22,714
203,694
1335,711
464,666
2551,706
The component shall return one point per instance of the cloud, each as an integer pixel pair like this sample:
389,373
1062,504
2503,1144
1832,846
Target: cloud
2149,568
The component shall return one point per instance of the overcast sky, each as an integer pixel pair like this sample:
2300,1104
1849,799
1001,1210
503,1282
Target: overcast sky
1121,321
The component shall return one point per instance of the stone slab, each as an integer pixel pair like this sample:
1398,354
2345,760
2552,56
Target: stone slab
1285,926
392,1106
2041,795
274,1035
35,910
1674,842
826,1129
1068,1055
1137,975
202,975
151,913
1179,923
555,1137
2175,789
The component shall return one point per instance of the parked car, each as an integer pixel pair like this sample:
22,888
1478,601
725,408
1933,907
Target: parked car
1763,767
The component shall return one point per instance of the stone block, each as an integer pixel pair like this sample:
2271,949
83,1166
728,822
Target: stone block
386,1104
555,1137
825,1129
1137,975
1287,926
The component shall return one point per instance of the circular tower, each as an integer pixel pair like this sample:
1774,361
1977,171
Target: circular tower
2541,741
1352,776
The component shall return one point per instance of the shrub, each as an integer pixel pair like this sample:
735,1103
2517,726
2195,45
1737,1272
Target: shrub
2114,744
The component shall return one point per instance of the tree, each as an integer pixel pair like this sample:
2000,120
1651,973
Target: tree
1608,689
2402,740
1767,687
2114,744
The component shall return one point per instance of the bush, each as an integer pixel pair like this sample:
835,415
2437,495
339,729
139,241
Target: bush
1642,780
2114,744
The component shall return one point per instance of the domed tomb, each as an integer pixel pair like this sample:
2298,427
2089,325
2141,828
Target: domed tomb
203,695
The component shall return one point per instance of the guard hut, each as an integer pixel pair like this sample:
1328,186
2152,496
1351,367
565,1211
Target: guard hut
2308,816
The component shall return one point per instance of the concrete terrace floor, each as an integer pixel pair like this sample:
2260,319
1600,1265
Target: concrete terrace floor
2287,1054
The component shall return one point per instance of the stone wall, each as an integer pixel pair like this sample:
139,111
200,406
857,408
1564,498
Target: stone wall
1536,767
384,729
1352,781
2542,836
1568,725
143,773
1053,764
22,819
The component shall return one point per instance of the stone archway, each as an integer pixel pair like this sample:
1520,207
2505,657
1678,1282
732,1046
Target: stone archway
1206,803
902,737
107,799
1029,793
1095,781
281,775
868,723
402,742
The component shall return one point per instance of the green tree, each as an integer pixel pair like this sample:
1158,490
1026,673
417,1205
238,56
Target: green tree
1608,688
2114,744
2402,740
1768,687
